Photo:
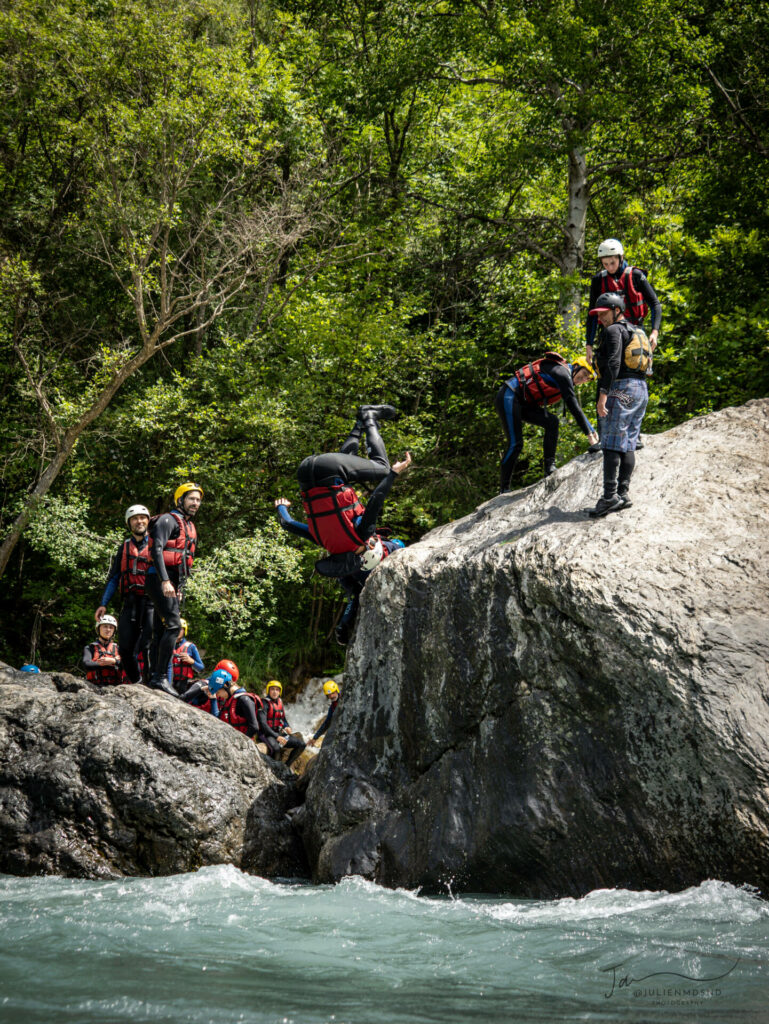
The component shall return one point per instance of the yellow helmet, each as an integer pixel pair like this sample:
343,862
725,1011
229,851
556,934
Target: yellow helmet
330,687
580,363
183,623
182,489
272,682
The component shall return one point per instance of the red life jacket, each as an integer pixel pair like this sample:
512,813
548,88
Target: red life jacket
181,672
535,388
107,675
179,552
275,714
230,714
636,307
331,512
134,565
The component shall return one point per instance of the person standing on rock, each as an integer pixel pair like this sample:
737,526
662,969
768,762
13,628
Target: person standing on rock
275,731
619,277
336,519
331,690
185,662
101,659
128,575
622,359
524,398
174,541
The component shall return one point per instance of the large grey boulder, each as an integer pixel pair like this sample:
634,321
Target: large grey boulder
97,782
542,704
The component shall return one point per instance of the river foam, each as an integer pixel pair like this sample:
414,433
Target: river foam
220,946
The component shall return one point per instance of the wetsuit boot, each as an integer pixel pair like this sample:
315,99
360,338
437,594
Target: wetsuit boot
375,446
610,502
549,468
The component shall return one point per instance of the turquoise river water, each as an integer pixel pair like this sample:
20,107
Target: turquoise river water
221,946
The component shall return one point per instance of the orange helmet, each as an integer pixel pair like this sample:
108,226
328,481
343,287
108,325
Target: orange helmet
229,666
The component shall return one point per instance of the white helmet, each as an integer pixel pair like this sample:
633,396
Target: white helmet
372,556
610,247
107,620
136,510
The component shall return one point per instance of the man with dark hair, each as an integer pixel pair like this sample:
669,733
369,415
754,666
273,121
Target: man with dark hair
174,542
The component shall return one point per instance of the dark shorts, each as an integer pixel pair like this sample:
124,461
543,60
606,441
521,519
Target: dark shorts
625,408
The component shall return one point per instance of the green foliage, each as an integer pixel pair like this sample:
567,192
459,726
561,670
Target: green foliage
59,529
394,179
235,588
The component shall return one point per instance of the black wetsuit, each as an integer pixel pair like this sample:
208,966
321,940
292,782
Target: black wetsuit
269,736
513,409
167,609
134,630
609,357
641,284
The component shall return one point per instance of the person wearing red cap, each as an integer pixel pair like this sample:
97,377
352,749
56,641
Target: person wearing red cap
622,360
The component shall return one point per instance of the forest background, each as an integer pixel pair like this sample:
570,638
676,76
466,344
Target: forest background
225,224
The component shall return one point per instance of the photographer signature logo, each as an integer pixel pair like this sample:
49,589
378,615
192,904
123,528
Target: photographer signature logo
620,980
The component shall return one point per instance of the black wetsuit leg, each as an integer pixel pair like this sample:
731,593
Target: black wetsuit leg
550,443
272,745
322,470
128,630
297,746
145,635
611,464
508,407
350,446
375,446
167,625
626,467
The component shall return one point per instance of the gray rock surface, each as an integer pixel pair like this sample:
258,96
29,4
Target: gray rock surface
98,782
542,704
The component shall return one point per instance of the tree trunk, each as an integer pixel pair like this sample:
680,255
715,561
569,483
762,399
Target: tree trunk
576,221
64,450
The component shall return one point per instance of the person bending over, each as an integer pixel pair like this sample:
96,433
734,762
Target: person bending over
525,397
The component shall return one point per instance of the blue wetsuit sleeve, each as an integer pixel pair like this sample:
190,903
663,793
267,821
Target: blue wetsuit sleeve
293,525
113,580
197,660
325,723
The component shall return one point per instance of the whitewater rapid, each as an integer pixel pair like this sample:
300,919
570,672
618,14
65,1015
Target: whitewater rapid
218,946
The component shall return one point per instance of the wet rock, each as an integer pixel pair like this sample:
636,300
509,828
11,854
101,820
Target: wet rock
543,704
97,782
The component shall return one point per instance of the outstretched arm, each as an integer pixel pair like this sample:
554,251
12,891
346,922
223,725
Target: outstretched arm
292,525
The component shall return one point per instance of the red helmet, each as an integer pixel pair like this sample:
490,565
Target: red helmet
229,666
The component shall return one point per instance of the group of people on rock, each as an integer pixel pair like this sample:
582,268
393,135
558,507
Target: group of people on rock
148,642
621,361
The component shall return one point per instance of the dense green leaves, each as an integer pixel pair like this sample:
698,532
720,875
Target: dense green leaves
309,205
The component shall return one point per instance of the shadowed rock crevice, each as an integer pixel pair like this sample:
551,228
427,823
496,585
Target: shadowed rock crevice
539,703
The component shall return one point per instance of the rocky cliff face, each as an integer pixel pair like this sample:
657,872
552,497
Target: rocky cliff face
96,782
542,704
